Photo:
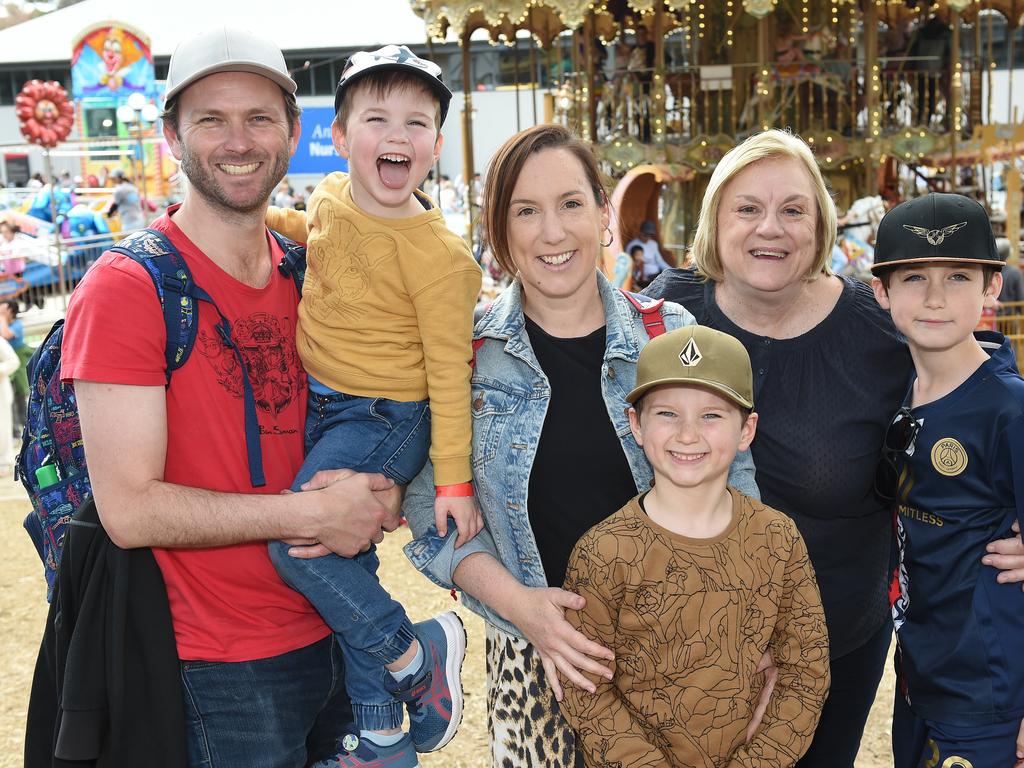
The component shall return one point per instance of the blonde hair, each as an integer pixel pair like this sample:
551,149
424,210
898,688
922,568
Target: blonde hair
768,145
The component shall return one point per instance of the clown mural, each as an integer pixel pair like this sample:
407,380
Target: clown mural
111,66
111,60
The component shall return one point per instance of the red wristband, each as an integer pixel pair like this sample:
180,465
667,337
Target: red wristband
458,489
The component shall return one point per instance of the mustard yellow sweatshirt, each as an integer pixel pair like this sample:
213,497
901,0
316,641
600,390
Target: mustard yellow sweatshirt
387,311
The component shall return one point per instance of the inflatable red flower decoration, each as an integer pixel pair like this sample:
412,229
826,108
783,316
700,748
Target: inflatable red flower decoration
45,113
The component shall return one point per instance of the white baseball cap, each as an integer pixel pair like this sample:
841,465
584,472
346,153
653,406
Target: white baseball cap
225,49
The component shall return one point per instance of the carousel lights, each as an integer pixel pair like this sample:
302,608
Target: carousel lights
804,16
688,27
728,23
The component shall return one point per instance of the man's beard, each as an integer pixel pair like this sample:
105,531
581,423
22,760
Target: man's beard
202,180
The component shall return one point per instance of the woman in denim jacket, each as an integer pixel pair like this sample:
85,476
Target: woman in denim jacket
558,340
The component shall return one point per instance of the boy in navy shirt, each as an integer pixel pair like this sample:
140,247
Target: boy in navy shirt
948,467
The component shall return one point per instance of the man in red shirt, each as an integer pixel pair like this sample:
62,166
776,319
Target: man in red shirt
261,673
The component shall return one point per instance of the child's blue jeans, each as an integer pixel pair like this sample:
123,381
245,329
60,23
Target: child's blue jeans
367,435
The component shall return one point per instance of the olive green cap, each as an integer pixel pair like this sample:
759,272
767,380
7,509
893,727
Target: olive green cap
697,356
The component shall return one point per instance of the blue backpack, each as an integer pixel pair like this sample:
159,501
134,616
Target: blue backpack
51,464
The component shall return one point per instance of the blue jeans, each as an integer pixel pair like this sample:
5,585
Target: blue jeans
283,712
367,435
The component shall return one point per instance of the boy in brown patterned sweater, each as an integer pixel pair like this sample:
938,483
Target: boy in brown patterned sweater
690,583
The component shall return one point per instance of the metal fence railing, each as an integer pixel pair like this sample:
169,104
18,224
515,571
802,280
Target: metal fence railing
1010,323
43,270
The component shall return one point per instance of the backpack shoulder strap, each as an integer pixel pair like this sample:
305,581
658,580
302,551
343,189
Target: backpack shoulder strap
293,264
170,274
650,312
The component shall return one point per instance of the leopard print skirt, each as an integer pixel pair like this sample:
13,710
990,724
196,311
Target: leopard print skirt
526,725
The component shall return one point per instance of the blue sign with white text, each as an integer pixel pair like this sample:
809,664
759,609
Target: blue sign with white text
316,153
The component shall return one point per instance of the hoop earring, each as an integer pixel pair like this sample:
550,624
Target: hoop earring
610,237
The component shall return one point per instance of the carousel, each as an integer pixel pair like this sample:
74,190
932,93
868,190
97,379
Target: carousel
893,95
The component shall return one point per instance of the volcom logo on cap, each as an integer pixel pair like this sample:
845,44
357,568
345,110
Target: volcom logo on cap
935,236
690,355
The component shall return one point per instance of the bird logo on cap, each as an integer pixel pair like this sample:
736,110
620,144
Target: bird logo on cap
935,236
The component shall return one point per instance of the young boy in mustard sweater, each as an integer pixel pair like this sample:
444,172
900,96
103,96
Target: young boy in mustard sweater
384,332
691,582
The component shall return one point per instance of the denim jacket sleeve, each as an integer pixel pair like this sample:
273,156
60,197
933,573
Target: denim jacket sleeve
432,555
435,556
741,475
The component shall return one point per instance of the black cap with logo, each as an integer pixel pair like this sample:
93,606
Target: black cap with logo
935,227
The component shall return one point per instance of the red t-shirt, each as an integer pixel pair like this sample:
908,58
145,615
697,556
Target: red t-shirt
227,603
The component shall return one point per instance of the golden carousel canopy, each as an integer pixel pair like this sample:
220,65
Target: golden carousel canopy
546,19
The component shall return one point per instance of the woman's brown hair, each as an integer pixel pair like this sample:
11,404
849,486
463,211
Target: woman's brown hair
503,173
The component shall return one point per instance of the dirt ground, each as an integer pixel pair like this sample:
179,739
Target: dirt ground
23,614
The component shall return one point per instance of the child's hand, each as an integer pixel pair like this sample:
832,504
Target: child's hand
1020,747
467,517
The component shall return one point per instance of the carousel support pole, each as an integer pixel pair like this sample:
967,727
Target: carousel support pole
467,132
534,79
991,65
576,76
590,89
763,75
956,117
873,89
657,94
515,75
1011,34
48,170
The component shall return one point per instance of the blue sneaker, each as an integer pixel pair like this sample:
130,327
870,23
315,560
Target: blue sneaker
433,696
356,752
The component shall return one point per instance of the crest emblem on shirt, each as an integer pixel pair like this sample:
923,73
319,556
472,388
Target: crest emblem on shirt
935,236
690,355
949,457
